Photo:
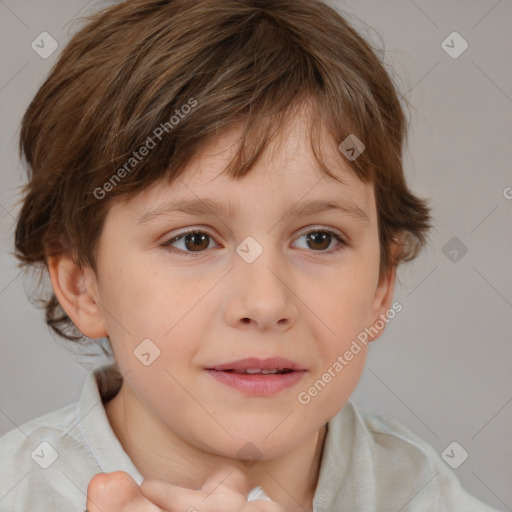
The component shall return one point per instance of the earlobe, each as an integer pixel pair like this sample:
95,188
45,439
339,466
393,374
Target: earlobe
76,290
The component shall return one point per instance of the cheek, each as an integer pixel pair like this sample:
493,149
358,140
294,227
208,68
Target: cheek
138,295
344,303
163,307
130,298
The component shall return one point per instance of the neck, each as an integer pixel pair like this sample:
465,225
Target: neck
289,480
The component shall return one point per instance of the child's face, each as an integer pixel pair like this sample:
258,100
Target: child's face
299,299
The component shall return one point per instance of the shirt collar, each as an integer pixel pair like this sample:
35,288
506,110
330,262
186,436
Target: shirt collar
101,384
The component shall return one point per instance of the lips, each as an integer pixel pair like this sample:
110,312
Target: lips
258,377
253,365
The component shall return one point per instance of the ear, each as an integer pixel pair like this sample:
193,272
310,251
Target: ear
382,302
76,289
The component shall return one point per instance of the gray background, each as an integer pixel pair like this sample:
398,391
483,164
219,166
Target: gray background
443,366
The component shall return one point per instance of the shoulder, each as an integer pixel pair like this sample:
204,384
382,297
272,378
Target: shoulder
45,462
410,467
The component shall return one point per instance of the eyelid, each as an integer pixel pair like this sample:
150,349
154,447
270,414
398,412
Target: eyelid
343,240
315,227
320,227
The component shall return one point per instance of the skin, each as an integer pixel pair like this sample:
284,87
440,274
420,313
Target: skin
298,299
118,492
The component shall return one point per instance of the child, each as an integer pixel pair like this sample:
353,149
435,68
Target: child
254,129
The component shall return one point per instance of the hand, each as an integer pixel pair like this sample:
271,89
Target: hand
225,490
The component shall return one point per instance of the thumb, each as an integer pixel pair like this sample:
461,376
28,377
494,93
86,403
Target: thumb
111,491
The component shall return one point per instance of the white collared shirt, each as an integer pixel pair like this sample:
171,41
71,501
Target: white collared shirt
369,463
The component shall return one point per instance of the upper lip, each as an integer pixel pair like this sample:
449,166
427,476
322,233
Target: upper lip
255,363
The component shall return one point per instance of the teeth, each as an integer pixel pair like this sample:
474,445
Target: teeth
258,370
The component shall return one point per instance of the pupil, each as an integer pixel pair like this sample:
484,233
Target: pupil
319,238
196,239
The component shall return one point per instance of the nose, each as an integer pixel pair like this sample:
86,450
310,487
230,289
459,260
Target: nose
260,295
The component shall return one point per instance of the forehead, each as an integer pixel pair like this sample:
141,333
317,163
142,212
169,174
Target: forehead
286,174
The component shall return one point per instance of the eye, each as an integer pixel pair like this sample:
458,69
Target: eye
321,238
196,241
191,241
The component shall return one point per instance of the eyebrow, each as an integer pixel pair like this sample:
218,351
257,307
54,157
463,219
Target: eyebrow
227,209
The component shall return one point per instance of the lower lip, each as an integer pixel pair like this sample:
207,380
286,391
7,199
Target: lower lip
257,383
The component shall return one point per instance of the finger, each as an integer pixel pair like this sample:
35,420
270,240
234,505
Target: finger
226,487
262,506
227,477
170,496
109,492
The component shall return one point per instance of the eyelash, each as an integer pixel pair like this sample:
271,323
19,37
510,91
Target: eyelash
167,244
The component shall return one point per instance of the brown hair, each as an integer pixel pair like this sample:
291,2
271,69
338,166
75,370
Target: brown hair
168,76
